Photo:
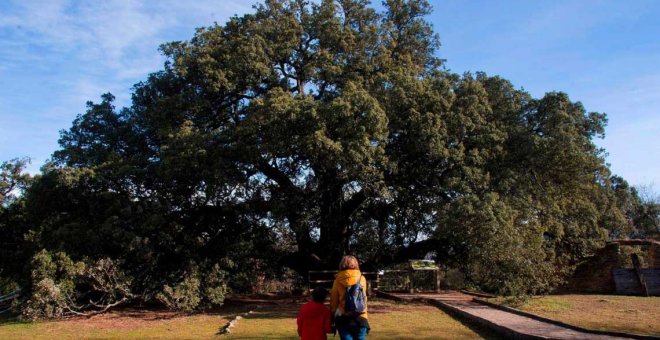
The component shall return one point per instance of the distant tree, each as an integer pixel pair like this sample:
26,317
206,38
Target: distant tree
13,181
647,214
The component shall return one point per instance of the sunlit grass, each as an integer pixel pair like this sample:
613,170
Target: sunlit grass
632,314
388,321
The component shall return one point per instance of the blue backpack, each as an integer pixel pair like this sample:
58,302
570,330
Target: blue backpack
356,301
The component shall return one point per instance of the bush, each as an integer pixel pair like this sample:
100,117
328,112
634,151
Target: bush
46,302
192,292
215,286
7,286
184,296
49,290
61,287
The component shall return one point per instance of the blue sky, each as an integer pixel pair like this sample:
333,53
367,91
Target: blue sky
57,54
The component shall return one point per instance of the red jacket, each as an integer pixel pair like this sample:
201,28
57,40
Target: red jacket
314,321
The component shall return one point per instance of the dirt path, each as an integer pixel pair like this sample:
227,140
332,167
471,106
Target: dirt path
504,322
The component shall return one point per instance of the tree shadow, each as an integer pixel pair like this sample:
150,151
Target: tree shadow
11,319
146,314
280,312
288,337
272,315
384,306
478,328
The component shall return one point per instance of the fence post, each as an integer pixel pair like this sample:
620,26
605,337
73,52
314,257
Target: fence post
411,273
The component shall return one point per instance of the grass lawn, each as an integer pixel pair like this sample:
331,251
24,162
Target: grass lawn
631,314
388,321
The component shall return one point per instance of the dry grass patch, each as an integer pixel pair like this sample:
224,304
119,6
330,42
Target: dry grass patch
119,325
631,314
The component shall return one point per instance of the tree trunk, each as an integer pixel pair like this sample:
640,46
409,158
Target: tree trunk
335,221
332,240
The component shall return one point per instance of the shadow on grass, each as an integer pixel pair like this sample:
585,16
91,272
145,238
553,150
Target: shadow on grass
11,319
393,335
269,337
482,331
148,315
271,316
389,306
478,328
289,312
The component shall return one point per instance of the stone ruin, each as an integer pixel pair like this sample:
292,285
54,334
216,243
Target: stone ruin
625,267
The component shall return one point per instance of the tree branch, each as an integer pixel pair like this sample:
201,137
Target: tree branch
352,204
276,175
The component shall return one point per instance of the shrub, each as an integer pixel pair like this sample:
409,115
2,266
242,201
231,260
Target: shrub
52,284
7,286
184,296
191,292
215,285
62,287
46,302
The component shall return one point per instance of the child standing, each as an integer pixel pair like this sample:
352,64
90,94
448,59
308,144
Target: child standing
314,319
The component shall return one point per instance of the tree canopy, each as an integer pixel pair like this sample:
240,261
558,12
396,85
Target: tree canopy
304,131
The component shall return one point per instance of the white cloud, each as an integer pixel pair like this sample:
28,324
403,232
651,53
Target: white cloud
57,54
107,33
120,35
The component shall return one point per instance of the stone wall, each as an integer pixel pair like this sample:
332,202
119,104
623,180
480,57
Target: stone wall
594,275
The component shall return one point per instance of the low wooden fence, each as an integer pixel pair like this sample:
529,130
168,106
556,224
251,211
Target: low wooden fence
325,278
421,275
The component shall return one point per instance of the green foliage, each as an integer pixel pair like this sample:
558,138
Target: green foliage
12,180
215,285
7,286
303,131
60,286
197,287
494,251
52,284
46,302
184,296
14,252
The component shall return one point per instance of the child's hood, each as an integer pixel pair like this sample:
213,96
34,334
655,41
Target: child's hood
348,277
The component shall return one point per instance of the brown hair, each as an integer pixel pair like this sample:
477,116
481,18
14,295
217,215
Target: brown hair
348,262
319,294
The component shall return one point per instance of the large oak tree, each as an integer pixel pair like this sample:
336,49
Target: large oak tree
325,128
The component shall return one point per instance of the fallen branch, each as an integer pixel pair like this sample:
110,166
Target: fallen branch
104,308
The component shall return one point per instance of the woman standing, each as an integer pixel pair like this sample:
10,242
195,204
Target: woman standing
351,321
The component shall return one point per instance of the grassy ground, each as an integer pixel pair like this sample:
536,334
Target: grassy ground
119,325
630,314
388,321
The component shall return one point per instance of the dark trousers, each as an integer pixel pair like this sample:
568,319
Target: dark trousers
352,332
